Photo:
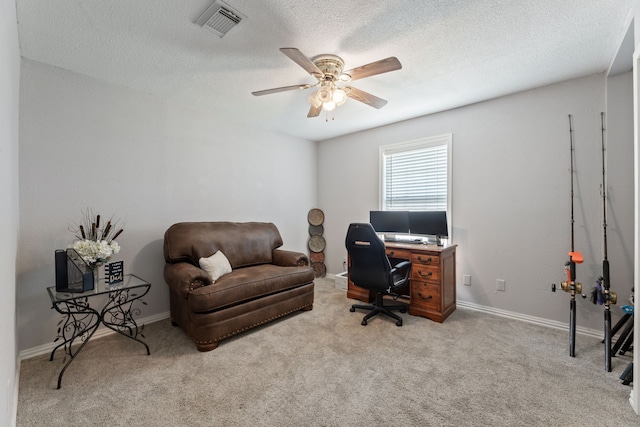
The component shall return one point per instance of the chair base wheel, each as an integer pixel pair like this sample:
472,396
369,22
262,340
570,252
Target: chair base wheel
379,308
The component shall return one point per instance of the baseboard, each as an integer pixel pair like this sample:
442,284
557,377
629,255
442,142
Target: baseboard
529,319
101,332
16,390
510,315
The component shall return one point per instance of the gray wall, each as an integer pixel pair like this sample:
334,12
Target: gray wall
85,143
9,84
619,176
511,187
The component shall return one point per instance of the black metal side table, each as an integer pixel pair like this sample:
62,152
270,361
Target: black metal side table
81,320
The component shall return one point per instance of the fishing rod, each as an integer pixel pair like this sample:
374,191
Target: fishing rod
575,257
602,293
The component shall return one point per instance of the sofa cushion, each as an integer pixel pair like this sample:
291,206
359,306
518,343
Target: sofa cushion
217,265
245,284
243,243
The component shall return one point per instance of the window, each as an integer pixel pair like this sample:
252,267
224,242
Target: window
416,175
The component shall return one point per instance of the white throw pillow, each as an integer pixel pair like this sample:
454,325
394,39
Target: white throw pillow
217,265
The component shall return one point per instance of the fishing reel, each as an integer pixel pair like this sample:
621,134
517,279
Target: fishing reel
567,287
602,296
570,285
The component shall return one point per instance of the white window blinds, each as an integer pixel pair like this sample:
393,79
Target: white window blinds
415,176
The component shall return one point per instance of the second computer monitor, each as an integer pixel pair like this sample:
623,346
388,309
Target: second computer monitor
429,223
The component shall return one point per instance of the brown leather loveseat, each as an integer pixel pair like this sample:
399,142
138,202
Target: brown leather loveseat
264,283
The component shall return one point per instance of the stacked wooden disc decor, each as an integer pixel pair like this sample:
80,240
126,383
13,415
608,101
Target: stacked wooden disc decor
316,242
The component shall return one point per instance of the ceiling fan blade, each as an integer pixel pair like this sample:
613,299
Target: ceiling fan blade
367,98
299,58
383,66
314,111
279,89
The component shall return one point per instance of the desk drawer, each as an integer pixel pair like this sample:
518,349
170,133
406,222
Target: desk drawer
421,272
425,259
399,253
425,295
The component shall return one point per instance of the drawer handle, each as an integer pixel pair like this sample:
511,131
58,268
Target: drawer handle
425,298
425,261
391,253
425,275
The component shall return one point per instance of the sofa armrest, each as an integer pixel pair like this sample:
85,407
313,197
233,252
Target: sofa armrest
286,258
183,277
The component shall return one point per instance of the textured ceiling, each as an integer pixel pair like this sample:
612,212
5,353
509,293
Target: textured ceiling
453,52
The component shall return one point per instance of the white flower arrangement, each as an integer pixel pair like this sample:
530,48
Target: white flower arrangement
96,244
96,252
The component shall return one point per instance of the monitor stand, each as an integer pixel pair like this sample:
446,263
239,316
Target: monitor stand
434,240
389,238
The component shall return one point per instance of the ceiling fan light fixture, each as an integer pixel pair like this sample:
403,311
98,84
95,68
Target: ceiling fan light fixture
329,96
329,106
313,99
339,96
324,94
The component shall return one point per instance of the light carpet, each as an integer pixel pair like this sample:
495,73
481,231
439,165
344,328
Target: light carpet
322,368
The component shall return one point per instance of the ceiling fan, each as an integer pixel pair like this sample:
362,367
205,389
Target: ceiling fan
328,71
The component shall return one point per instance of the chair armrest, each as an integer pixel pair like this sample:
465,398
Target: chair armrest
286,258
183,277
400,273
400,266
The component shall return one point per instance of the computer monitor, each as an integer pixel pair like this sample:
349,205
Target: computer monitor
430,223
389,221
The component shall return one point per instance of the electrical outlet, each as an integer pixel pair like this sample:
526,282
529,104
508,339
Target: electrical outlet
466,280
500,285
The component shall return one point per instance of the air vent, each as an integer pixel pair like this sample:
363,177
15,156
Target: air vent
219,18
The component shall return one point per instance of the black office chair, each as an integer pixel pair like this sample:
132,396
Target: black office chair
371,269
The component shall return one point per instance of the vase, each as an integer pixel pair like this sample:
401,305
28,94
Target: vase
96,274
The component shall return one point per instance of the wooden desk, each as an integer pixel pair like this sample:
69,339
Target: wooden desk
432,288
